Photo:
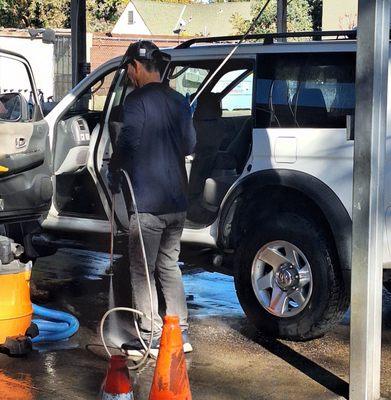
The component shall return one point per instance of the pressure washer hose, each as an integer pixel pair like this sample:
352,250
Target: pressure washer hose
49,330
127,309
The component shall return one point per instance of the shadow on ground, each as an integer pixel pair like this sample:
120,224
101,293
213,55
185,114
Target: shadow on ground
230,361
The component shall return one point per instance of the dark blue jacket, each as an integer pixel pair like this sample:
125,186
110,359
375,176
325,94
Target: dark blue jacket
156,136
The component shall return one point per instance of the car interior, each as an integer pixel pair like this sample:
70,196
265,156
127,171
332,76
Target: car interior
223,122
75,190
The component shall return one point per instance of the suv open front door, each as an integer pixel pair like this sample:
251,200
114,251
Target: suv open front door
101,150
25,157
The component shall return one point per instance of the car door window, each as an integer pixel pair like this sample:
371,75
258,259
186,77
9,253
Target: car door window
238,101
94,97
305,91
18,102
226,80
187,80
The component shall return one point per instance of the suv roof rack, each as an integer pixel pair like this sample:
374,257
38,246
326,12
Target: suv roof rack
268,38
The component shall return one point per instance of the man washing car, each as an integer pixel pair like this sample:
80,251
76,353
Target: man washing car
156,136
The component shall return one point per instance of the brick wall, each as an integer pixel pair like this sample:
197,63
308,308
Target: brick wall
105,48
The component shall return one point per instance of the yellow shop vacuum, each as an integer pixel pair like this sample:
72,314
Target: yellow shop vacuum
16,328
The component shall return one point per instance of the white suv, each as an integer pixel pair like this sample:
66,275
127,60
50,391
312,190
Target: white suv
270,181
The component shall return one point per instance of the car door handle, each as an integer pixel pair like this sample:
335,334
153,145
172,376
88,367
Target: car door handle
20,143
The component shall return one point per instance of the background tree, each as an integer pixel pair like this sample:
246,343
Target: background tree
103,14
299,17
14,13
49,14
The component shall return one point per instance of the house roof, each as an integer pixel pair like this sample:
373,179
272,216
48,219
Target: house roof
201,19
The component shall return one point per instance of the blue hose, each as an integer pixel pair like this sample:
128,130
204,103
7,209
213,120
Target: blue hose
50,331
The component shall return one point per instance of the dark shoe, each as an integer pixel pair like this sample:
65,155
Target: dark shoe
134,348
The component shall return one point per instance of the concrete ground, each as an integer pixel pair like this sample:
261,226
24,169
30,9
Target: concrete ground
230,361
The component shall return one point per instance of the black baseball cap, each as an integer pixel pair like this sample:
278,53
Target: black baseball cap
145,50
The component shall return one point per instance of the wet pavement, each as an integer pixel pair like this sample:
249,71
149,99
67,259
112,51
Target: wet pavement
230,361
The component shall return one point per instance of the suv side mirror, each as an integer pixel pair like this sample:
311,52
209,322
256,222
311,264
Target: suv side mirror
13,107
350,127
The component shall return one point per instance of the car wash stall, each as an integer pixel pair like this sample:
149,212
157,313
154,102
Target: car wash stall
231,358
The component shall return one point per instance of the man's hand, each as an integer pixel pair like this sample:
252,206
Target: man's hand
114,180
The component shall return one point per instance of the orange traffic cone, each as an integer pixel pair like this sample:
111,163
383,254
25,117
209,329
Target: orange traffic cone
170,381
117,384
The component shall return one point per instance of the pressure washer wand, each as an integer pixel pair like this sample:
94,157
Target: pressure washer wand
256,19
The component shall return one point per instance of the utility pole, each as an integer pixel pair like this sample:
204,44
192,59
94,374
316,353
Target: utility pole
282,25
368,198
80,67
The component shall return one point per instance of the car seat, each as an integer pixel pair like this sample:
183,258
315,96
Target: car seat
210,134
228,166
310,108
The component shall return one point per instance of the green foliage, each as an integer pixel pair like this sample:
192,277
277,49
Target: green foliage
49,13
101,14
14,13
299,18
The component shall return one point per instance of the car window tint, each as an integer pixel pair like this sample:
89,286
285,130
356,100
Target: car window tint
302,90
187,80
17,100
227,79
238,101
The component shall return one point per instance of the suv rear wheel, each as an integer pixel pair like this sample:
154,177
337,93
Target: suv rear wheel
287,278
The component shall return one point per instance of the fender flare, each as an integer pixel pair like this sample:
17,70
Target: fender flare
317,191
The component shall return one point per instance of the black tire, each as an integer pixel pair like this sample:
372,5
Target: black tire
329,300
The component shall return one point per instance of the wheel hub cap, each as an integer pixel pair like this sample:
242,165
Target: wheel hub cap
287,277
281,278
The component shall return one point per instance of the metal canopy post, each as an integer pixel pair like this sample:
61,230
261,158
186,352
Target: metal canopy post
368,202
282,23
80,68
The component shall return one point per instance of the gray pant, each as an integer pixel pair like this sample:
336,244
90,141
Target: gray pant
161,234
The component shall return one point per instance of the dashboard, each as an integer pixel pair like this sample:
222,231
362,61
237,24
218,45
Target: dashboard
72,145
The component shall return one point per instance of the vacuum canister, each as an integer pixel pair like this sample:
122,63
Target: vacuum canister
15,304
